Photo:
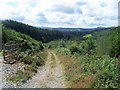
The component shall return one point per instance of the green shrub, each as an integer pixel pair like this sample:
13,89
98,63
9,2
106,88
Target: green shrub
74,49
21,76
87,46
104,68
25,45
66,51
27,60
30,69
34,65
108,76
21,55
38,61
115,40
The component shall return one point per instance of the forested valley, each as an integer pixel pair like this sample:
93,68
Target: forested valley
88,59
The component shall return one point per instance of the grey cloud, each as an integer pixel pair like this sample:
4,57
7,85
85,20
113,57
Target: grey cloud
98,18
67,9
17,16
62,23
113,17
63,9
67,23
78,10
41,18
97,24
40,14
92,14
106,17
81,3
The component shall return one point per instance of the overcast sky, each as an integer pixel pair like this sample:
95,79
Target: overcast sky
61,13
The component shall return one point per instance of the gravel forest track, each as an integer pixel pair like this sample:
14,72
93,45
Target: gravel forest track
51,75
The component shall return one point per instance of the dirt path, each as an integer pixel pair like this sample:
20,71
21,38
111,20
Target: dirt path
49,76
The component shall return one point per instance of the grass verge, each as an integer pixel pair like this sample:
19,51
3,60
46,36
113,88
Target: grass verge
90,71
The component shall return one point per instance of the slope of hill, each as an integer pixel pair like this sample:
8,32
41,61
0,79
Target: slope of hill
30,53
93,61
107,39
44,35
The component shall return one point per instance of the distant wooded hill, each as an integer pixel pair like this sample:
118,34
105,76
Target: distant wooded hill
44,35
81,29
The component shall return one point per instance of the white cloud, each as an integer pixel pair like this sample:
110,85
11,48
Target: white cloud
61,13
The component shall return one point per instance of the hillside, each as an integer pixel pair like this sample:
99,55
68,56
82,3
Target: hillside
40,34
106,40
93,60
30,54
91,57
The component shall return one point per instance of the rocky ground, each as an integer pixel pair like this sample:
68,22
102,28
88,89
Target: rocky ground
6,70
51,75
